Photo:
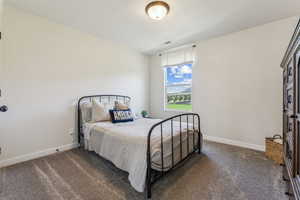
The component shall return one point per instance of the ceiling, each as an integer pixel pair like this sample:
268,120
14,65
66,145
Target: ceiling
125,21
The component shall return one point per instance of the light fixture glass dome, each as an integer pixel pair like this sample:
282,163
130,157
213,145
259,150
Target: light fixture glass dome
157,10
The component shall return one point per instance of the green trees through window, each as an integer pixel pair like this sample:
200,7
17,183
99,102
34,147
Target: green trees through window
178,87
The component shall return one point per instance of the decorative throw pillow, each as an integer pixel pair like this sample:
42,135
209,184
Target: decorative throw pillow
134,114
100,112
121,115
86,111
120,106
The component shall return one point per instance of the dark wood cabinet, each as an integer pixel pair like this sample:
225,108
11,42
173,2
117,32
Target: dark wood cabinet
291,116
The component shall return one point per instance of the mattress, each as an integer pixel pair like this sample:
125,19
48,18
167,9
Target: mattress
125,145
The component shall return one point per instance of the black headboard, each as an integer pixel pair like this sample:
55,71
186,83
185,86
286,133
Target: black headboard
108,97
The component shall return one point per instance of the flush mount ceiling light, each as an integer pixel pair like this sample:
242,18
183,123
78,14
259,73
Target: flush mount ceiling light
157,10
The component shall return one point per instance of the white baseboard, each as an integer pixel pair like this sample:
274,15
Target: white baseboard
31,156
235,143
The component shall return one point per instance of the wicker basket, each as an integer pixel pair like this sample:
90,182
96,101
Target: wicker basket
274,150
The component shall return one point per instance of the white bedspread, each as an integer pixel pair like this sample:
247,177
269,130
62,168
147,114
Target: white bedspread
125,145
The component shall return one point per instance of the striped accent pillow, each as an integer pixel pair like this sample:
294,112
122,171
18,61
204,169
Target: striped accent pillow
120,106
118,116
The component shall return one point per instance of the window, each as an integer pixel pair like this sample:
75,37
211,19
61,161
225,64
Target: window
178,64
178,87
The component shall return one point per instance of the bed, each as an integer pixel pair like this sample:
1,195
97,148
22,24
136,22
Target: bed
146,148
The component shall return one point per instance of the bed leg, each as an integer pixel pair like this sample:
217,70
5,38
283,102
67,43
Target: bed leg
149,193
200,139
148,183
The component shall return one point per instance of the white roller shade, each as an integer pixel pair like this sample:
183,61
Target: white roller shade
182,55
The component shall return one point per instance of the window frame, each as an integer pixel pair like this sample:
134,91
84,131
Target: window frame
165,87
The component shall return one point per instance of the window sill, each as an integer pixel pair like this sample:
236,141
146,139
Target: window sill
179,111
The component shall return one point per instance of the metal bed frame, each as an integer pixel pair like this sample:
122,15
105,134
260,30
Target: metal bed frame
152,174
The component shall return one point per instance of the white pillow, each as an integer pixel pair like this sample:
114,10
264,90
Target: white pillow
100,112
86,111
135,115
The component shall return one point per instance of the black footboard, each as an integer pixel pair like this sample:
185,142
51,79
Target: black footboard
189,126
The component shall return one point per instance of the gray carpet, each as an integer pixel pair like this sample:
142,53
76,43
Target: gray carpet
221,172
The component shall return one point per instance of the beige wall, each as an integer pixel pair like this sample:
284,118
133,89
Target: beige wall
47,68
236,84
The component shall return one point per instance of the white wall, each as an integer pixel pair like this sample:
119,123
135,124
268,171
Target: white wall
236,84
47,67
1,30
1,58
